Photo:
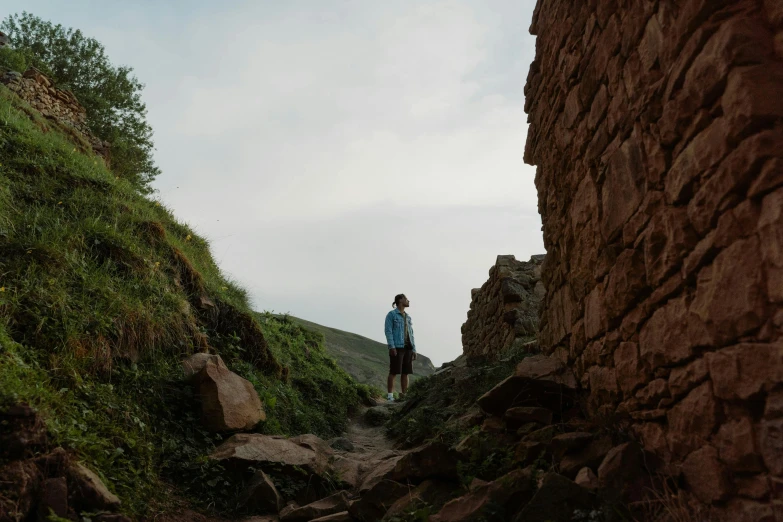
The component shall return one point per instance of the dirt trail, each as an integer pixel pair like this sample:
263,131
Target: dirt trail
368,440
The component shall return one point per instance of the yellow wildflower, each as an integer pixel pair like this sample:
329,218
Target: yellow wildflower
2,289
59,202
224,287
29,251
157,263
188,237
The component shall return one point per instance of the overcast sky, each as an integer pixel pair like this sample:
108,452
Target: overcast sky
336,153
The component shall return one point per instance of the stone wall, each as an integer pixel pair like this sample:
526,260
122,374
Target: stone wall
53,103
657,130
505,309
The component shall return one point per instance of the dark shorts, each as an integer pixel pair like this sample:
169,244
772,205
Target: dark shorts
402,363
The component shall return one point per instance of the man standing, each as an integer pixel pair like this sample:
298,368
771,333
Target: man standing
402,345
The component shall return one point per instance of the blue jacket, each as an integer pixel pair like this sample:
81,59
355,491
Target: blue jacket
395,330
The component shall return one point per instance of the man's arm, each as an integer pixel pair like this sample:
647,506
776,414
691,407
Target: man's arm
387,328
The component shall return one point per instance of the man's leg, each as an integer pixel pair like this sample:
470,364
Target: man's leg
390,382
404,382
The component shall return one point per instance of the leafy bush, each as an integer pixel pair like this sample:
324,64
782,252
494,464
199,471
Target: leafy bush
111,95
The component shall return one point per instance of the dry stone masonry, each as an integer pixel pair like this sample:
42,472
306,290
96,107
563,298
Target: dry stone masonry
504,311
657,130
53,103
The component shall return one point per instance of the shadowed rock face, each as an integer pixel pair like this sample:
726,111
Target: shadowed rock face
657,130
504,311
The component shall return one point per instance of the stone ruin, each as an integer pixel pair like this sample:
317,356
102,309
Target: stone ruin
504,311
3,39
657,130
55,104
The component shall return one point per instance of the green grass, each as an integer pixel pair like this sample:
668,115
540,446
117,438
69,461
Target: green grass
365,360
102,293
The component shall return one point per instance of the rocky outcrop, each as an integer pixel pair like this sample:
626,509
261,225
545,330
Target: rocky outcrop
34,482
657,130
53,103
504,311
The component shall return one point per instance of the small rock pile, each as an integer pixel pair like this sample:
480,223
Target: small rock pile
33,486
53,103
504,311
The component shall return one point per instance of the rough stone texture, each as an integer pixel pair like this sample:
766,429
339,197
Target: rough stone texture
228,402
657,132
504,311
53,103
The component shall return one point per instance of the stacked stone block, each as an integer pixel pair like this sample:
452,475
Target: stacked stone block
657,130
504,311
53,103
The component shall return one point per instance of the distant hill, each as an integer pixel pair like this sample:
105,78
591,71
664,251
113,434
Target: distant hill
365,360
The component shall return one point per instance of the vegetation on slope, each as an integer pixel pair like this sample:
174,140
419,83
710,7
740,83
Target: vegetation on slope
365,360
102,293
111,95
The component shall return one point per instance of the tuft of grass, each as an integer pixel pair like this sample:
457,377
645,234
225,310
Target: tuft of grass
102,294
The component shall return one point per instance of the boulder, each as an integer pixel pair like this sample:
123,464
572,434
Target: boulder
433,460
430,493
500,398
546,370
88,490
509,493
196,362
521,415
556,499
376,501
625,470
336,503
228,402
569,442
260,495
271,451
590,456
347,471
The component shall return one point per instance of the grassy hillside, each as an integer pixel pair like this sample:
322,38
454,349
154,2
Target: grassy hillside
365,360
102,293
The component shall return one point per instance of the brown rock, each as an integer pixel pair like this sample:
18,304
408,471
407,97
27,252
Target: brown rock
771,445
743,370
705,475
653,392
625,282
260,495
590,456
684,379
335,503
771,239
228,402
754,486
629,368
270,451
500,398
746,100
347,470
508,492
520,415
626,469
89,491
669,238
433,460
566,442
376,501
743,510
430,494
692,420
595,320
669,336
527,452
196,362
730,298
556,499
623,188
